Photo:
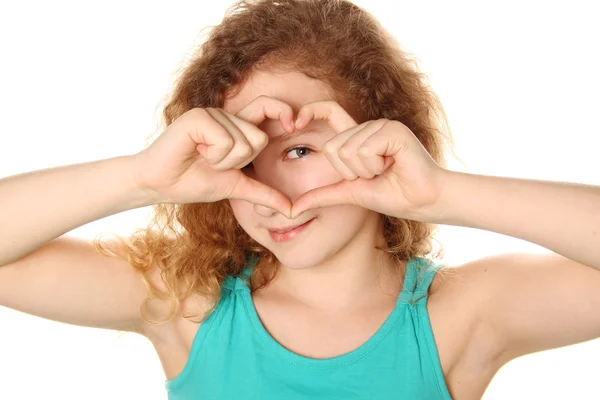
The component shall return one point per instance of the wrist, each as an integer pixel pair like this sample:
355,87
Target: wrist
441,209
147,194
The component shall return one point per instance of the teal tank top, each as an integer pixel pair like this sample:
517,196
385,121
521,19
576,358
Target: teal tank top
234,357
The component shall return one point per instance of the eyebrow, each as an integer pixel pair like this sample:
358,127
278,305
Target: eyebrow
286,136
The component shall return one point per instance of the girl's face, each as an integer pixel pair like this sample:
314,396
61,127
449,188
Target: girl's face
294,166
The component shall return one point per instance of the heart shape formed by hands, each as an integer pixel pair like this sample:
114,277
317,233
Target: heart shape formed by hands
384,167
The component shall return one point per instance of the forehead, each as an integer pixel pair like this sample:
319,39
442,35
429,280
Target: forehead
293,88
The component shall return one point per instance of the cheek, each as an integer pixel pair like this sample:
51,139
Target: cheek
316,173
242,210
349,216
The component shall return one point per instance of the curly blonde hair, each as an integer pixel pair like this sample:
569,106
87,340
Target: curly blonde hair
196,246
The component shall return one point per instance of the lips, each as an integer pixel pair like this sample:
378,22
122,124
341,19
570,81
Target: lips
287,229
281,235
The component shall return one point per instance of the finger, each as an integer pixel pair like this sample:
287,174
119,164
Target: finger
331,152
374,162
240,150
348,153
264,107
343,192
215,146
258,193
379,149
329,111
257,139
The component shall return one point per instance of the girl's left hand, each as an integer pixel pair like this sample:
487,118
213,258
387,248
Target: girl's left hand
384,166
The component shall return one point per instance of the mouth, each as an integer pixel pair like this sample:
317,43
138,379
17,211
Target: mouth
288,233
288,228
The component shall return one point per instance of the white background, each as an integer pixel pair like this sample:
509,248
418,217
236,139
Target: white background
82,81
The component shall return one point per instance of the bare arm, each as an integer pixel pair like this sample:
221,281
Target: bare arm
60,277
563,217
68,280
38,206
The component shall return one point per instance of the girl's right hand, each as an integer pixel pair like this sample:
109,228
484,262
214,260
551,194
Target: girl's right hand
199,157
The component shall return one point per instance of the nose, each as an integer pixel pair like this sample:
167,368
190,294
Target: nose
264,211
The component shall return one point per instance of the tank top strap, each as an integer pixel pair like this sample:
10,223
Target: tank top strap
419,275
242,280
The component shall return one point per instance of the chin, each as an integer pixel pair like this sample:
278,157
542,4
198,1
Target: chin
301,253
302,262
296,257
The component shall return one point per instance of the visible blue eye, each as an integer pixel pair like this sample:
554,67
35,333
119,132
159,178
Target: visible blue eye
300,151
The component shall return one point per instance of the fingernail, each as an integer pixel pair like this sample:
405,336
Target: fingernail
298,122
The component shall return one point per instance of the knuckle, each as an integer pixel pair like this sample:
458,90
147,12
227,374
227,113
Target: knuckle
326,103
329,148
261,98
334,104
286,109
226,142
364,151
345,154
220,167
304,107
308,109
244,151
262,140
245,114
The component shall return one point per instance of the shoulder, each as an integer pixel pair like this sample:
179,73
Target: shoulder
474,281
459,282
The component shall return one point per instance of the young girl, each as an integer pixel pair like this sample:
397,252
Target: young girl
296,189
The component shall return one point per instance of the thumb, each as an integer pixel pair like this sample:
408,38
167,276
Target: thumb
258,193
343,192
